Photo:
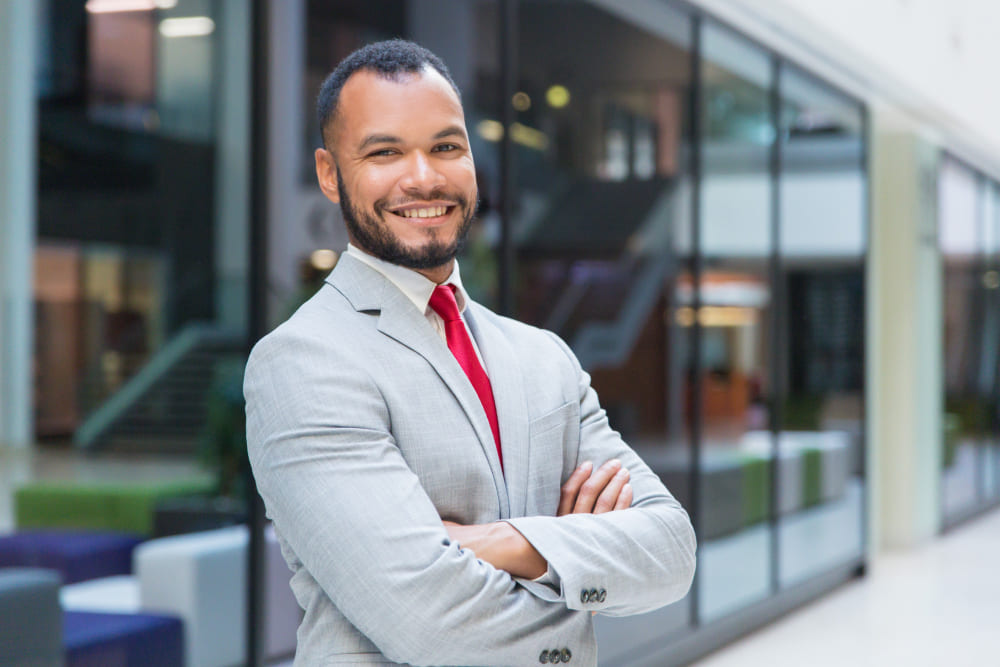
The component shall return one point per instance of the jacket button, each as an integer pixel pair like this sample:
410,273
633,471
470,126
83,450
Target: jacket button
584,596
592,596
602,596
554,656
566,655
544,657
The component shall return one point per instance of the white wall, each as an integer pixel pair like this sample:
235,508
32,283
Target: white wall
946,51
933,61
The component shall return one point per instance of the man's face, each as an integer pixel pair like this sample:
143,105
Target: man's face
401,168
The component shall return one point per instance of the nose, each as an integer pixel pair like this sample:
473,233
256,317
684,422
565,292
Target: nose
421,178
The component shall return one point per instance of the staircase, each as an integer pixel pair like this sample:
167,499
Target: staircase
163,407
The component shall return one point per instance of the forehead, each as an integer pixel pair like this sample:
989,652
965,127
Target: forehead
406,105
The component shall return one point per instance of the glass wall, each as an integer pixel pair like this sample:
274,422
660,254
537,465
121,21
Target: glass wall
685,209
601,224
688,212
735,304
141,260
822,244
969,234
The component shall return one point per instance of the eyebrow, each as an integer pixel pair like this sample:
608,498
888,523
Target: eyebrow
372,139
451,131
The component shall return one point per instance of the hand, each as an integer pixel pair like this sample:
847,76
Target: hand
605,490
500,545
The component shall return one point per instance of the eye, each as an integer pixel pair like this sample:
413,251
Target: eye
443,148
384,152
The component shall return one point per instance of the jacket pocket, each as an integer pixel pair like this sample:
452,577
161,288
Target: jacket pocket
553,441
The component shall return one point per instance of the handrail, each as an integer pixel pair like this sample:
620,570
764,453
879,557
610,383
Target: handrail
99,422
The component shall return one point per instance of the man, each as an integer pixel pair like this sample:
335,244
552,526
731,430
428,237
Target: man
445,486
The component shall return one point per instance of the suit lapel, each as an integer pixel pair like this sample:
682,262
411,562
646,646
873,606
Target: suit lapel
512,408
367,289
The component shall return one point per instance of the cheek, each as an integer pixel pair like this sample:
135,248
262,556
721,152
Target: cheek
463,176
373,186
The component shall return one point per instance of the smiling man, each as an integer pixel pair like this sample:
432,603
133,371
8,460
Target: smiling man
444,483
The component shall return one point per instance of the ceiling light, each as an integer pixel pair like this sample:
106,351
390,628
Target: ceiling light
323,260
490,130
557,96
114,6
188,26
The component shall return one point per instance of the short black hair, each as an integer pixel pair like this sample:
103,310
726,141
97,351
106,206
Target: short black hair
390,59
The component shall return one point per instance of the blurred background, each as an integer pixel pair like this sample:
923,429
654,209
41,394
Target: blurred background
769,229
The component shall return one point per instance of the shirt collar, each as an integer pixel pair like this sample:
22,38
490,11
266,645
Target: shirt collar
413,284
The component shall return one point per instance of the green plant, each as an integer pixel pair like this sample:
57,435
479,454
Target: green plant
224,443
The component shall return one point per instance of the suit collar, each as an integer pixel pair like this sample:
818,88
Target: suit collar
368,290
413,284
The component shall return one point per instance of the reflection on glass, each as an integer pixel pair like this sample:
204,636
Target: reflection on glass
968,240
600,223
991,282
822,246
735,316
141,245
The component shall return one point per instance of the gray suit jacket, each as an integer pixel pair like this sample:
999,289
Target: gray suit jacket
364,433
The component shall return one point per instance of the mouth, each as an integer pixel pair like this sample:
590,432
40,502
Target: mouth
423,213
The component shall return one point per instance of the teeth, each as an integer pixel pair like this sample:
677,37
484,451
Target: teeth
430,212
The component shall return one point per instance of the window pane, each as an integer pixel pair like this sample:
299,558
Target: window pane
969,315
822,245
736,310
601,225
142,222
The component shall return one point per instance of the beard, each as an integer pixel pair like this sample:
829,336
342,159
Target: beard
374,236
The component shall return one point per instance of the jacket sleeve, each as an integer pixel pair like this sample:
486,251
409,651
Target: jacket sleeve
618,563
357,518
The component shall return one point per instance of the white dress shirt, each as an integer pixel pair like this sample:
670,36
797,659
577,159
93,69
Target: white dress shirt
418,289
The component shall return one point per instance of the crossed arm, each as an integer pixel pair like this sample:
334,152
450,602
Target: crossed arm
585,492
387,583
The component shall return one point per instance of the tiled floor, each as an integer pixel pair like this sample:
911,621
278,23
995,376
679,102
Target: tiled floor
928,607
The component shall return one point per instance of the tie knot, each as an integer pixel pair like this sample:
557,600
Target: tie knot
444,304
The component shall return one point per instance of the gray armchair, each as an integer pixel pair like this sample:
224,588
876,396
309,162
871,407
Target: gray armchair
30,618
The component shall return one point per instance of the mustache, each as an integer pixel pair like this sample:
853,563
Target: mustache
454,199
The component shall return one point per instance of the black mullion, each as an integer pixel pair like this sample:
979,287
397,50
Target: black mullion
865,264
777,321
508,83
979,267
694,472
993,265
257,310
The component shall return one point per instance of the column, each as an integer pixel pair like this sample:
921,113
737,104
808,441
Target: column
232,172
18,166
905,396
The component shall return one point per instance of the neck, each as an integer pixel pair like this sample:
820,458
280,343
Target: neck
438,274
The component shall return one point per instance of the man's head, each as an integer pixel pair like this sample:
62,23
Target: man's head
396,155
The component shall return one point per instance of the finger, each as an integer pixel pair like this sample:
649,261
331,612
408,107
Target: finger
624,498
592,488
609,496
567,495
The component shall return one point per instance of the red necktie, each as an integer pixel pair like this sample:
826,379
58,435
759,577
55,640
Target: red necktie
444,304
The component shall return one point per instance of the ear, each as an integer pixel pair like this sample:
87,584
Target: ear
326,174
